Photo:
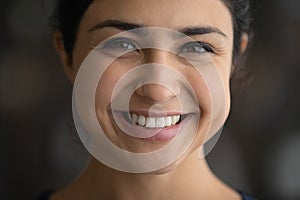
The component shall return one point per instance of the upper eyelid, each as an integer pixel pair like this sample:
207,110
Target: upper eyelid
136,46
197,42
121,39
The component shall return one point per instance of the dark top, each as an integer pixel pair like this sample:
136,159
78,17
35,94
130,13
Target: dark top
46,195
245,196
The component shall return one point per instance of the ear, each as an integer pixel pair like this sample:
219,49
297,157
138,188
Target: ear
65,58
244,42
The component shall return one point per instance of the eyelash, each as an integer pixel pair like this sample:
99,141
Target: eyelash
111,44
204,47
122,44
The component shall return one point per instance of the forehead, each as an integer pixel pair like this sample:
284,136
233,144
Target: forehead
172,14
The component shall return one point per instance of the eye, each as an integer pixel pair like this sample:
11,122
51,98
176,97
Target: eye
119,47
120,44
195,48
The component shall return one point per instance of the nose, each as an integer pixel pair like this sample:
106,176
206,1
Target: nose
155,92
162,87
157,56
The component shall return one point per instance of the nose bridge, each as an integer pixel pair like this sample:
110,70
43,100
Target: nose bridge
158,56
161,59
162,86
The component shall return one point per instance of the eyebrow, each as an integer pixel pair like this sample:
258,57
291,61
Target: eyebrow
190,31
126,26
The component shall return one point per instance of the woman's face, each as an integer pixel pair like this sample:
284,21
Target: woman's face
212,16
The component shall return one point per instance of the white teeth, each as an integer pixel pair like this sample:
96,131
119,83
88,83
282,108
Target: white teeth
142,120
152,122
134,118
168,121
160,122
175,119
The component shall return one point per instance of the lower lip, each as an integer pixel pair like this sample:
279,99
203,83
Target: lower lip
158,135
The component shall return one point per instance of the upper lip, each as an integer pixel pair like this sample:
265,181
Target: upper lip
155,114
146,113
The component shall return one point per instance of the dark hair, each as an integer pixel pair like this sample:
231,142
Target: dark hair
66,19
242,20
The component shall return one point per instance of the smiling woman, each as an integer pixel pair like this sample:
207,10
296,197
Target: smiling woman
151,86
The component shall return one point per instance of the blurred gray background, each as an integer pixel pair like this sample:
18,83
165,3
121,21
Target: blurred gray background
258,151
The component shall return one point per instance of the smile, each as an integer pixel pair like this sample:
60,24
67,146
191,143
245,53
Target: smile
154,122
159,128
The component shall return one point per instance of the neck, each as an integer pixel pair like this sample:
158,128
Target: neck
191,179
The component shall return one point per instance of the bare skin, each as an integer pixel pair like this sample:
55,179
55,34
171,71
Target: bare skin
189,177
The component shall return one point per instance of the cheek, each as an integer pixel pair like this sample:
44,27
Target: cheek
213,97
108,82
223,65
211,92
201,90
